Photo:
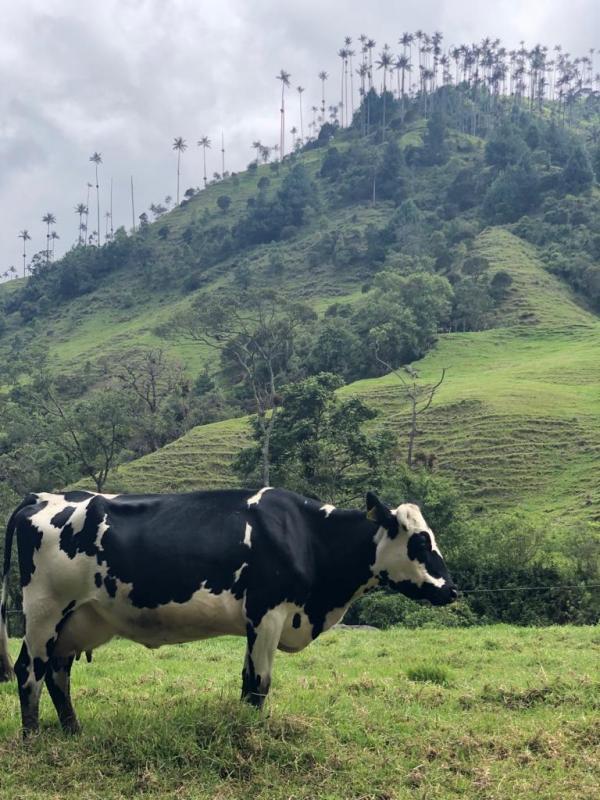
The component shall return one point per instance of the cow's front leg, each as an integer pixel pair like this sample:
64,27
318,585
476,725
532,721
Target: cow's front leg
262,643
58,681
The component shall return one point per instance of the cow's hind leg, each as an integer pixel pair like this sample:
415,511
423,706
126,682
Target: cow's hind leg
58,682
40,637
262,644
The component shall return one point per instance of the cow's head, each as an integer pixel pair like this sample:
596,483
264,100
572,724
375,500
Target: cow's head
408,558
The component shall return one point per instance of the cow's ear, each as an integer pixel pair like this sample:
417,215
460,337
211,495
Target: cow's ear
377,511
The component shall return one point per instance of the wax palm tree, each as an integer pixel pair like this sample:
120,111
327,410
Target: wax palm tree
24,234
384,63
343,54
96,159
370,45
222,154
180,145
204,142
300,90
81,209
49,219
323,77
14,271
54,236
284,77
294,131
350,53
257,145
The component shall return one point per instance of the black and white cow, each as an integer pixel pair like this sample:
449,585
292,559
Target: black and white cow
272,566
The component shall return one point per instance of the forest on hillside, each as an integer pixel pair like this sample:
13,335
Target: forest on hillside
464,141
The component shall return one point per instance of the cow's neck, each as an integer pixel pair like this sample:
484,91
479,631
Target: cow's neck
345,552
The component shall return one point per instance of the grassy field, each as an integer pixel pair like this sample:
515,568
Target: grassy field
489,713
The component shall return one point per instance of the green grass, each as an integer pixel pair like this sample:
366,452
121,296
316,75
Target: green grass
486,713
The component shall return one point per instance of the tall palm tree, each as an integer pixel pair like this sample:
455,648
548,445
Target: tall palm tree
54,236
323,77
257,145
24,234
96,158
370,45
49,219
384,63
204,142
350,53
80,209
14,271
293,131
222,154
300,89
284,77
180,145
343,54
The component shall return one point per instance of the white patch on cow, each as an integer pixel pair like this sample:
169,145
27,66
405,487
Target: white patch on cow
255,499
327,508
247,540
391,554
238,572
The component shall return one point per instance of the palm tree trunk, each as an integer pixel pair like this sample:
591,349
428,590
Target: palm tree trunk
178,162
98,203
204,159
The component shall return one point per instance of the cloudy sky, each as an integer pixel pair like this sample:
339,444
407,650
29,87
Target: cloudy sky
124,77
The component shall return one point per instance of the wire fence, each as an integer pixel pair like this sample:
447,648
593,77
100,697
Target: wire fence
16,618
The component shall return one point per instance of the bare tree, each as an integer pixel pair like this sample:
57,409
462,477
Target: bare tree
256,341
419,397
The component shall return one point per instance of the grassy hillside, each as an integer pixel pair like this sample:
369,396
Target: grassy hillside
517,420
477,713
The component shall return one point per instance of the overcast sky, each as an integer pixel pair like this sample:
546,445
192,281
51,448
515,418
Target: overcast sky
124,77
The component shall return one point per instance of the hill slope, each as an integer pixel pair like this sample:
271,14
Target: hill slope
516,422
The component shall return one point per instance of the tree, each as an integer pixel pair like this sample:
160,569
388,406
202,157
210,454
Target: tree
435,149
318,446
418,396
180,145
49,219
256,340
204,143
224,202
284,77
24,235
96,159
153,382
300,90
323,77
385,63
577,175
82,210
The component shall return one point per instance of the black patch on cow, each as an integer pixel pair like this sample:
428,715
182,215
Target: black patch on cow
168,546
77,496
110,584
29,539
67,609
98,579
251,636
39,668
420,548
296,621
84,541
60,520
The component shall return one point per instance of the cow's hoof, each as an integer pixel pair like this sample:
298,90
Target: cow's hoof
71,727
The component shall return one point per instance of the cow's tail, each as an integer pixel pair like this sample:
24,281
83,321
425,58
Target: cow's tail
6,667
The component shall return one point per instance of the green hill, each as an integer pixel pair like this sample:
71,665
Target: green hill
516,422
